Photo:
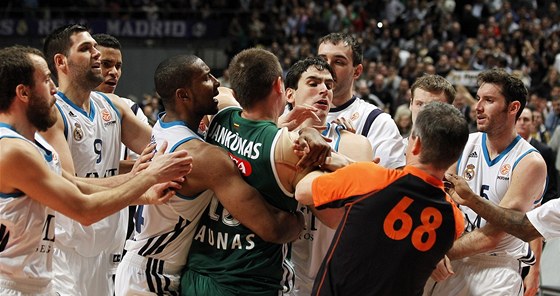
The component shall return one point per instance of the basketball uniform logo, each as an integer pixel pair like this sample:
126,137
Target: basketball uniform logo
504,170
78,132
468,174
243,165
105,115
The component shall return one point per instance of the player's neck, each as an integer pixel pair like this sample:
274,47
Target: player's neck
262,110
255,115
192,121
341,99
498,142
78,95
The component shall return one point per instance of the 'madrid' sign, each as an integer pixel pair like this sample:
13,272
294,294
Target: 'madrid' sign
117,28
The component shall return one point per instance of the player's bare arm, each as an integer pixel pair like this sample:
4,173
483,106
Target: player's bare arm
54,191
213,169
134,133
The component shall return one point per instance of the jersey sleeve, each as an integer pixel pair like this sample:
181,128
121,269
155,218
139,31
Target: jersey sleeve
354,180
386,142
546,219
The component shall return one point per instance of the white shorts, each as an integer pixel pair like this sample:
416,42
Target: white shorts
75,274
480,275
139,275
27,288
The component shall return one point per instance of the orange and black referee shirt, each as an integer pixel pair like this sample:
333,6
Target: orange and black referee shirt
398,224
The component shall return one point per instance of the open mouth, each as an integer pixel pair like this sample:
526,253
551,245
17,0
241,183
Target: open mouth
322,104
111,83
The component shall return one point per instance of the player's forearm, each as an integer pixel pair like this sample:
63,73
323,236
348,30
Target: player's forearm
287,228
102,204
107,182
479,241
512,221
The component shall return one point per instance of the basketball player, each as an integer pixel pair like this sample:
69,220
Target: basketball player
310,82
506,170
158,252
344,53
111,69
87,135
397,223
31,186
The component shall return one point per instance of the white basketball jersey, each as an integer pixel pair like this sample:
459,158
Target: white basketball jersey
165,231
383,134
27,229
309,250
94,139
490,178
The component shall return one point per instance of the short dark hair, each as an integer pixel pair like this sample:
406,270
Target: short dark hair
348,40
59,41
443,132
294,73
512,87
107,40
434,84
171,74
16,67
252,73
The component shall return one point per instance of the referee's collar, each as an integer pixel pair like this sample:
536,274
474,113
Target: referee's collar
343,106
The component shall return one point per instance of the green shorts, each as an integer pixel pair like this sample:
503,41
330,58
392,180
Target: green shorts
196,284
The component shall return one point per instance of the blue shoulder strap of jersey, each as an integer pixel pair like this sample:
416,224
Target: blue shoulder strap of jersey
369,121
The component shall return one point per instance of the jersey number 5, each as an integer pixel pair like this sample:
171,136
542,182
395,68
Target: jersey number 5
398,225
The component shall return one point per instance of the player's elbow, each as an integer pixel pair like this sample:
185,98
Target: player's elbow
275,237
85,214
84,218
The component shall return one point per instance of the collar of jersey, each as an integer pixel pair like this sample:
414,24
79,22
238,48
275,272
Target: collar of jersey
424,176
91,114
491,162
343,106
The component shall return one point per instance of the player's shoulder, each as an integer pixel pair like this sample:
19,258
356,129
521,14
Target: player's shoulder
17,148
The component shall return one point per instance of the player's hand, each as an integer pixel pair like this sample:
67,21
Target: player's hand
160,193
312,147
335,162
170,166
298,115
458,189
531,283
144,158
347,124
443,270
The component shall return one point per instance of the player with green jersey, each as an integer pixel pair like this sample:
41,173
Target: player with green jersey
226,258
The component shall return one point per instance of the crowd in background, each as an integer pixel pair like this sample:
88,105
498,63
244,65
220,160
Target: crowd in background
401,40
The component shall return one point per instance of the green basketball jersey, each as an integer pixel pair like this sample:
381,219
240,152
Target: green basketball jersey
224,250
